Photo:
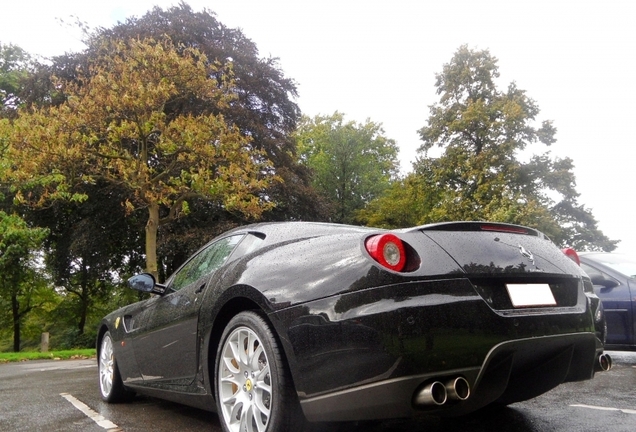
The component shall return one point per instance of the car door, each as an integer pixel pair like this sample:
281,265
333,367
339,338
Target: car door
166,339
617,302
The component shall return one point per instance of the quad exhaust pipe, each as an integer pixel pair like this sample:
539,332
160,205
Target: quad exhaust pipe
457,389
603,363
431,394
437,393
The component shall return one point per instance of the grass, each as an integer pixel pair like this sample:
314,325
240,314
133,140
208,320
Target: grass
53,355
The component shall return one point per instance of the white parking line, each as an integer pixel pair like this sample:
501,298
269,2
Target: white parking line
626,411
88,412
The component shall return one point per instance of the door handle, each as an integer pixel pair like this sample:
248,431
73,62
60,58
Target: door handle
201,288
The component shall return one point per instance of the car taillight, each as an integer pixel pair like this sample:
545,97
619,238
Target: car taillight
388,250
571,253
504,229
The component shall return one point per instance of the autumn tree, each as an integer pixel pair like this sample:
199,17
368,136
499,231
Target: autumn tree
19,281
484,134
263,106
353,163
127,121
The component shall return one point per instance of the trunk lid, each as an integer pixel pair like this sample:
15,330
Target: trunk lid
481,248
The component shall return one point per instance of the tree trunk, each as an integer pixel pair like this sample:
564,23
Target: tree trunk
151,239
83,313
84,298
15,309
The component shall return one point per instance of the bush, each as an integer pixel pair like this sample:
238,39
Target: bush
71,338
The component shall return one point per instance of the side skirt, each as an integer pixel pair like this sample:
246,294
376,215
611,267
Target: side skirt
202,401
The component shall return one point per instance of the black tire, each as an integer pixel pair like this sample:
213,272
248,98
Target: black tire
111,387
254,381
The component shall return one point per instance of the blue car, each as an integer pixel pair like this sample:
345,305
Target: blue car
614,279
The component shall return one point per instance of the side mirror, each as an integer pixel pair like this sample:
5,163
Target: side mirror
144,282
602,281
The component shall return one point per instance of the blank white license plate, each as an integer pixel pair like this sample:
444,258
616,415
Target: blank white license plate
530,295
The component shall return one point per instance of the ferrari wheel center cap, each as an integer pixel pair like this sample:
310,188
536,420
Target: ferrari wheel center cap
248,385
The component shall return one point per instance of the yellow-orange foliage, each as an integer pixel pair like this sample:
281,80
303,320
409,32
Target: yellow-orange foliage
127,121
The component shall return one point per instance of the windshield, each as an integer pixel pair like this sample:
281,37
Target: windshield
621,263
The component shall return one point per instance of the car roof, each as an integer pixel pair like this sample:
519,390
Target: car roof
280,231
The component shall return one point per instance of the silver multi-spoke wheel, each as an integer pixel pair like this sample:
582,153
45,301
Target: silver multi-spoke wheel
254,391
244,382
106,366
111,386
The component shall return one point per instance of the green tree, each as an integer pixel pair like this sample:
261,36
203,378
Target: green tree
15,67
353,163
88,243
482,173
115,127
408,202
19,281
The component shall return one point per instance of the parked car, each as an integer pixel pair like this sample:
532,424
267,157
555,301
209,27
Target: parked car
614,279
275,324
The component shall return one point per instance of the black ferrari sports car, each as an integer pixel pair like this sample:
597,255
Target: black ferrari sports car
276,324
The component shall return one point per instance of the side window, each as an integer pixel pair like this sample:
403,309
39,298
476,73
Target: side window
591,271
250,243
205,262
596,275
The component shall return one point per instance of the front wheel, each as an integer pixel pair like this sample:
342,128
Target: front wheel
111,386
253,388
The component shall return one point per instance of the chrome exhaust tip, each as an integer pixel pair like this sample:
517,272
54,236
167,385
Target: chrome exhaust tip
431,394
603,363
457,389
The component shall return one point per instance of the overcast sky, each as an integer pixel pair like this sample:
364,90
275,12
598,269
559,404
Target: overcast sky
377,59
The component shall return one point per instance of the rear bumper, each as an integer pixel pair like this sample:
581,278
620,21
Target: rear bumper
364,354
512,371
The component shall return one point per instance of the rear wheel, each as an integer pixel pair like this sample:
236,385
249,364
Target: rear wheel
111,386
253,388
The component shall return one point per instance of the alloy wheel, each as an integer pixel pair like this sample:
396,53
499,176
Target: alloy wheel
244,382
106,366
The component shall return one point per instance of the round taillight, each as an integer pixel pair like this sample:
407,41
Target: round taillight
388,250
571,253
